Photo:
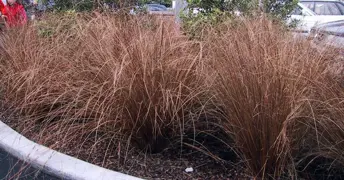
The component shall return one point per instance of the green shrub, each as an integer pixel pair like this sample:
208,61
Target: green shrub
214,12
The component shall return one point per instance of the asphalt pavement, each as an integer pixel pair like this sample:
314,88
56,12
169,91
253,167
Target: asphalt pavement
13,169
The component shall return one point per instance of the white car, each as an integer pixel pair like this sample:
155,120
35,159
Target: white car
328,35
310,13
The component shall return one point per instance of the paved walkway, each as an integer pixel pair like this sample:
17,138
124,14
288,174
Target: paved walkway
11,168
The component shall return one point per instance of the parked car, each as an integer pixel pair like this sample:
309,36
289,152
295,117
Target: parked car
309,13
152,9
155,7
328,35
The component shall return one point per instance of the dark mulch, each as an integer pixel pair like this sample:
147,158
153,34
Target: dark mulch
320,168
168,164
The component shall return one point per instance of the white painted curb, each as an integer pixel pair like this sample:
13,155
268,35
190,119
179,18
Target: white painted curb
53,162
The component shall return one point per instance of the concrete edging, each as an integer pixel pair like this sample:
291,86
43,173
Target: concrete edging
51,161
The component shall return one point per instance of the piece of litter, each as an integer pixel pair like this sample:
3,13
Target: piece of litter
190,169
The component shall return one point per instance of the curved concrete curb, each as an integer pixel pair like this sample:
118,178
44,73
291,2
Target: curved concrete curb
53,162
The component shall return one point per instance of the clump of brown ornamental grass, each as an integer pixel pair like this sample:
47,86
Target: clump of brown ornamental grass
320,131
117,77
263,76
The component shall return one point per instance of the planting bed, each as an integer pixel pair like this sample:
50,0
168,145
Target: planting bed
135,95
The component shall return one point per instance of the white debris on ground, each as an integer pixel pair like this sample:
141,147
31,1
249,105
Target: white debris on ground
189,169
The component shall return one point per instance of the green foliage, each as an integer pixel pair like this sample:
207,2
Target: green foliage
87,5
213,12
209,6
195,24
78,5
279,9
